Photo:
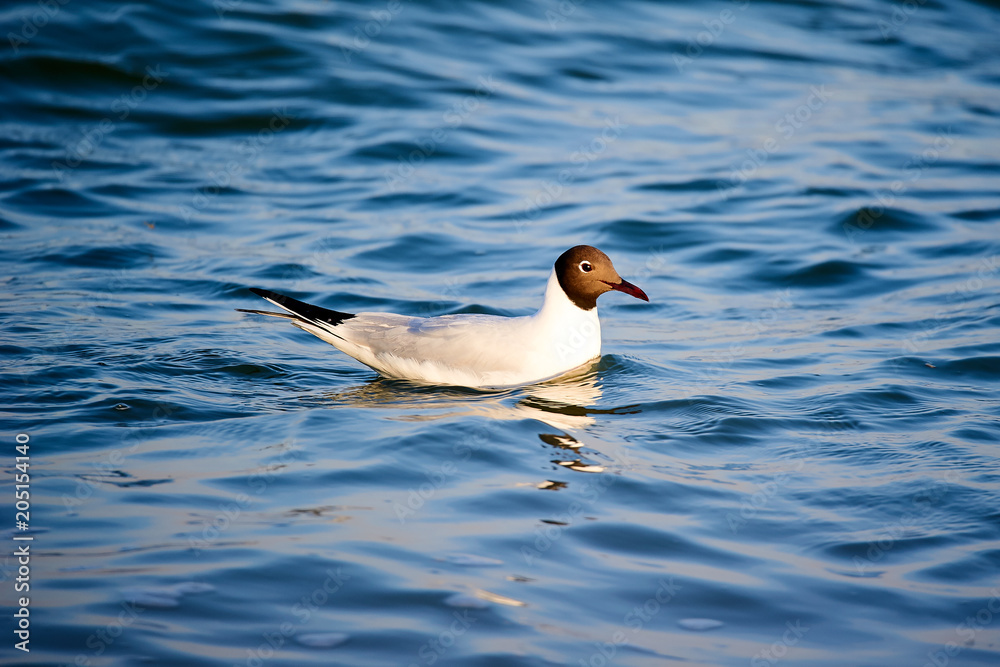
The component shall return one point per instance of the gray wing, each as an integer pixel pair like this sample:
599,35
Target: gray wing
486,342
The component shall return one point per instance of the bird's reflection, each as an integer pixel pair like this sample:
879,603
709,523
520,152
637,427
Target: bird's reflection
567,403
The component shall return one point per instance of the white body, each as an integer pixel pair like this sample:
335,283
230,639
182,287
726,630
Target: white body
472,350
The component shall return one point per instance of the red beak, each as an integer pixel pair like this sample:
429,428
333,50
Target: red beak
628,288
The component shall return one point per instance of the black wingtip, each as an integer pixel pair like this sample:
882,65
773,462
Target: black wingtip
267,294
306,311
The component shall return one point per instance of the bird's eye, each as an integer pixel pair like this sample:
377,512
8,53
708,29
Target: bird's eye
586,267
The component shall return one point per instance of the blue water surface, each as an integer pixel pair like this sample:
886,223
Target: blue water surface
789,456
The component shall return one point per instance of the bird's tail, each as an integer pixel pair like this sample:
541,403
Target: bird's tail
300,312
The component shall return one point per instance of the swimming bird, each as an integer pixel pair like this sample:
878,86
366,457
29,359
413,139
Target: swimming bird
474,350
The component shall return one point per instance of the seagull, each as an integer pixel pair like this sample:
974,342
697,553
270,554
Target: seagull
475,350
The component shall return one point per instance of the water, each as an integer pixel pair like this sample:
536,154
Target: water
788,457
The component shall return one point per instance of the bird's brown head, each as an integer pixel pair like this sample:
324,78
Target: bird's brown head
585,273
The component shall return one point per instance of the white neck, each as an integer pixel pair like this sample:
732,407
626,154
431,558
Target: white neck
573,334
